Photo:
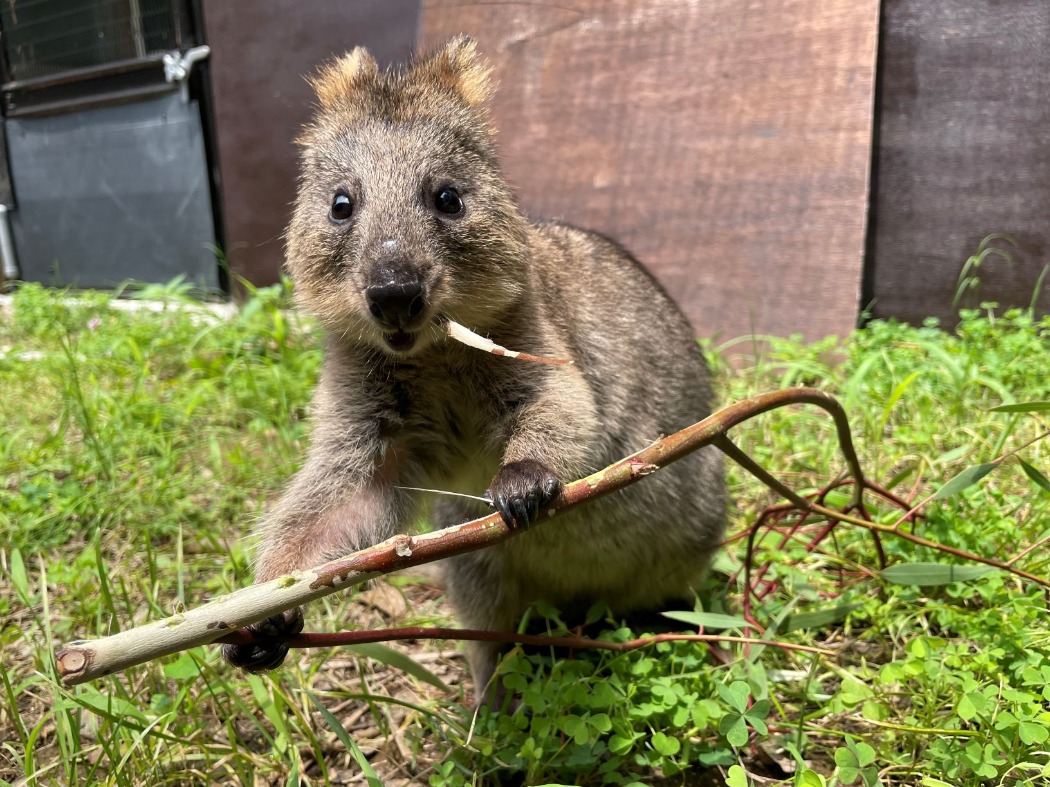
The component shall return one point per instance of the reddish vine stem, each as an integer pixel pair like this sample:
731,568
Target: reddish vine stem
886,494
925,542
342,638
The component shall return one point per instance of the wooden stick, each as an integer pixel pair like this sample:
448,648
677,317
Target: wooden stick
84,660
466,336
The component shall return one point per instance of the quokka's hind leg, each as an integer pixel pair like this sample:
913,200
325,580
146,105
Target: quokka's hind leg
483,599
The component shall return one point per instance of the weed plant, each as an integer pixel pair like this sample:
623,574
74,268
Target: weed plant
138,446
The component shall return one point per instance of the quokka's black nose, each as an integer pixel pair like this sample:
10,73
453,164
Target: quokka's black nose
396,304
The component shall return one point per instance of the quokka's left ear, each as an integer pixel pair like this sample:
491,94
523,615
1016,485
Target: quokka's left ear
459,66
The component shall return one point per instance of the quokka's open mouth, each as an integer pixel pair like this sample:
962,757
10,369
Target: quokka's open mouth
400,341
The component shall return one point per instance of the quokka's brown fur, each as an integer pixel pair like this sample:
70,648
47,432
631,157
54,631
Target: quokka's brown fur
403,220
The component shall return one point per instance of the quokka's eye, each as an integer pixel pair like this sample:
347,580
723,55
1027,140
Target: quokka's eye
342,208
447,200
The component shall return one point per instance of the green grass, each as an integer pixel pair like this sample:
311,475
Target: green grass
139,446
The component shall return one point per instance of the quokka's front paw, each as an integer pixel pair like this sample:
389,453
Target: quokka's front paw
270,654
521,489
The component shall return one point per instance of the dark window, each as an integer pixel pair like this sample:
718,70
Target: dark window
44,38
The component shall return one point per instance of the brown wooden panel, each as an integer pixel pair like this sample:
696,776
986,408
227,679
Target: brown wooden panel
726,144
964,108
261,53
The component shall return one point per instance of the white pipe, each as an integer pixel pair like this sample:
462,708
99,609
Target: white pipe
8,258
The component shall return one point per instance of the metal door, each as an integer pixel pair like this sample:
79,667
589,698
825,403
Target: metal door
106,149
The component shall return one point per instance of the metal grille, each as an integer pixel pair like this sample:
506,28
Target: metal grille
43,38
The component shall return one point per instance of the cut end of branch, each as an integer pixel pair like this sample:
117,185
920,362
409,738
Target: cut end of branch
71,664
468,337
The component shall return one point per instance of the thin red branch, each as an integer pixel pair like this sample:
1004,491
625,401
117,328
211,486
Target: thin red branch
343,638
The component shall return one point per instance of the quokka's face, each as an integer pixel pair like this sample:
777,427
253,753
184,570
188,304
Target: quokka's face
399,227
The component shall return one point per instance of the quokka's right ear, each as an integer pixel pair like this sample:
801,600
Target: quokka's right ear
335,81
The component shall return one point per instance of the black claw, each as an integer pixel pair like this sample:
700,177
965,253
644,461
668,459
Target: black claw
255,658
502,505
535,501
521,514
550,490
520,491
271,652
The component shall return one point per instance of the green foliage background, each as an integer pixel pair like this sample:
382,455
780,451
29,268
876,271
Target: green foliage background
139,445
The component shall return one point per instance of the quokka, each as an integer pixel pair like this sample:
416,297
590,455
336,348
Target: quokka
404,221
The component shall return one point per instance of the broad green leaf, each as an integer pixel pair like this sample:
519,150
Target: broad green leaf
183,668
736,736
1030,732
758,711
600,721
1035,476
541,726
362,762
929,781
808,778
853,691
710,620
702,712
681,716
515,681
993,755
817,618
758,680
398,660
918,647
618,744
971,704
848,774
734,695
575,727
844,758
925,574
985,769
964,480
864,753
665,744
603,695
737,777
874,711
1022,407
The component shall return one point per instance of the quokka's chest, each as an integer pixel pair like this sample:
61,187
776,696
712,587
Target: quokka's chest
444,423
